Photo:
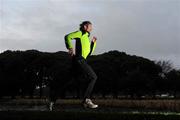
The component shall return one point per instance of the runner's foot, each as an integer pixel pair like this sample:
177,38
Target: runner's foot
51,106
89,104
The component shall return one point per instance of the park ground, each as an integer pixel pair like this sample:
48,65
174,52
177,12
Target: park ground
109,109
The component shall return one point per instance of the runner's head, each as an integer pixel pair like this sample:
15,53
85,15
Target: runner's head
86,26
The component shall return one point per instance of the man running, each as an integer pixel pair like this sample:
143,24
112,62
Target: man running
83,49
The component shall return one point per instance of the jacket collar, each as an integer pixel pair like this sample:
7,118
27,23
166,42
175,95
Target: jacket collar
84,32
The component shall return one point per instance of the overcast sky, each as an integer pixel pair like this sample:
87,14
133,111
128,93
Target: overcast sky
148,28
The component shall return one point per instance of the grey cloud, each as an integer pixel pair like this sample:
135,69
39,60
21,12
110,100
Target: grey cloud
148,28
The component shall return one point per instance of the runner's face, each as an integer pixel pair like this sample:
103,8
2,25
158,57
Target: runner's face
88,27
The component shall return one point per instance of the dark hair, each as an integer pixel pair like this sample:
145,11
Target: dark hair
84,23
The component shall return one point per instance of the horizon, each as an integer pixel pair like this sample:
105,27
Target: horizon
169,61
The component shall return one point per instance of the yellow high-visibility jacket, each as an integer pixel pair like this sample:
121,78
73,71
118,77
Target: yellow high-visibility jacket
83,45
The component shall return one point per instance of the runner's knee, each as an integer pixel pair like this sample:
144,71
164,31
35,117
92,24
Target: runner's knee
94,77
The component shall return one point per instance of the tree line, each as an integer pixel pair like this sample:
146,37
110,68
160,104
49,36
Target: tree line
119,74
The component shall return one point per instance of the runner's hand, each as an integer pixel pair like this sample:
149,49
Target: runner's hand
94,39
71,51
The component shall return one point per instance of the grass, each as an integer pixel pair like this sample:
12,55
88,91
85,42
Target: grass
57,115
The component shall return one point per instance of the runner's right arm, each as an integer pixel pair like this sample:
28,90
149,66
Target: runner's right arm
69,37
68,41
